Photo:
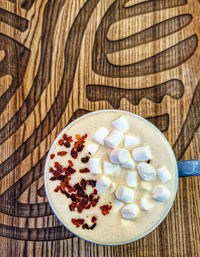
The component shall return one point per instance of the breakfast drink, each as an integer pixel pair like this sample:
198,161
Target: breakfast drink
111,177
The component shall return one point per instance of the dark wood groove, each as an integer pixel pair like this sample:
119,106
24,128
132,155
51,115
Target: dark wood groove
13,20
14,64
190,126
165,60
174,88
27,4
160,121
155,32
78,113
170,4
35,234
41,191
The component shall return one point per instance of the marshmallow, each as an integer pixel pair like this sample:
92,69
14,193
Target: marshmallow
118,204
100,135
103,184
130,164
131,141
114,139
130,211
131,179
92,148
164,174
145,203
124,194
146,171
109,168
119,156
95,165
161,193
141,154
146,186
120,124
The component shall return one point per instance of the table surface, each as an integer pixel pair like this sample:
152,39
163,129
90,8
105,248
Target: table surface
61,59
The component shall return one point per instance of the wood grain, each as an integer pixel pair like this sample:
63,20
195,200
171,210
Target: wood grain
61,59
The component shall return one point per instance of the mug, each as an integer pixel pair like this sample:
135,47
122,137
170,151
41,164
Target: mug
183,169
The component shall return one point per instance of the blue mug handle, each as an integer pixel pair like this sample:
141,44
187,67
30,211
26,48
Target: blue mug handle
188,168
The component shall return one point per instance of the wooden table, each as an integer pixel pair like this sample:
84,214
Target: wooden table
60,59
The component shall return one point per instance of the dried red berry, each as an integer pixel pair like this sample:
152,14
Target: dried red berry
81,193
72,206
61,141
148,161
91,197
77,187
81,205
95,201
69,139
93,219
70,163
57,189
74,154
64,136
83,184
105,209
65,170
53,178
71,170
62,153
85,159
86,198
95,191
57,164
66,144
62,185
85,170
52,156
88,206
78,222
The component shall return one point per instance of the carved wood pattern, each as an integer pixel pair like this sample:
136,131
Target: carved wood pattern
61,59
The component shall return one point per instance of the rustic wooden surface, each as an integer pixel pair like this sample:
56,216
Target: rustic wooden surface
60,59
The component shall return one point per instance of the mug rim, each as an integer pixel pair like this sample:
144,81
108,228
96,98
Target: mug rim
45,177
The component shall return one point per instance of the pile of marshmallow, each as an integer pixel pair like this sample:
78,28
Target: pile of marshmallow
121,158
